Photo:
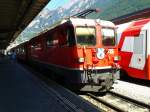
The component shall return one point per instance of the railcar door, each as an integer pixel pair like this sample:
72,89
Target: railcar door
138,59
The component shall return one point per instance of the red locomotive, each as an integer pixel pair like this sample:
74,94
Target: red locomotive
134,44
82,52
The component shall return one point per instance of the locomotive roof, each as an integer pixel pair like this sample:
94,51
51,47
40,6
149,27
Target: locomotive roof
91,22
107,23
81,22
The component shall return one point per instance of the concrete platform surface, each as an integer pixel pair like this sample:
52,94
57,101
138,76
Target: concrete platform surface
20,92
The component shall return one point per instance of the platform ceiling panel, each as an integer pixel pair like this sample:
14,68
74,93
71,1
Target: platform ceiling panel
15,15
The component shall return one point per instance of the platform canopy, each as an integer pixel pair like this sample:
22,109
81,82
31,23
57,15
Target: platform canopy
15,15
145,13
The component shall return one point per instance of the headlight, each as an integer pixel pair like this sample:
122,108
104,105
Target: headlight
117,58
80,60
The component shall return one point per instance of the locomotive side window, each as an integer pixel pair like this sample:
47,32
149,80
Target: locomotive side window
52,40
60,37
108,36
86,36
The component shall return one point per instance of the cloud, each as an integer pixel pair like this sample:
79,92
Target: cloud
33,23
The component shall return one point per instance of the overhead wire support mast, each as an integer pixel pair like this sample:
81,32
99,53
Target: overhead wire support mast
84,13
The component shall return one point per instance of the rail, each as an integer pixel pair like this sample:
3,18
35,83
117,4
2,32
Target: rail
132,103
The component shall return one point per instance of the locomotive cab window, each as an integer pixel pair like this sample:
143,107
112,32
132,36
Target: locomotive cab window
86,36
108,35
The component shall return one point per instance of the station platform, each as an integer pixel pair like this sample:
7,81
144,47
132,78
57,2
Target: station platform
20,91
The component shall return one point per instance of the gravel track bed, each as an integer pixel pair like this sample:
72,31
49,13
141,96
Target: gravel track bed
134,91
118,102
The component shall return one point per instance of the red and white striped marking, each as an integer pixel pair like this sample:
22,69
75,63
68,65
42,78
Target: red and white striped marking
134,43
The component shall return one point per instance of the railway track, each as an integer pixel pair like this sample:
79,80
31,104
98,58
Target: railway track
116,102
110,102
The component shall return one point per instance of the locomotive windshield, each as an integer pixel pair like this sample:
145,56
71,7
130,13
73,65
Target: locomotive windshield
86,36
108,36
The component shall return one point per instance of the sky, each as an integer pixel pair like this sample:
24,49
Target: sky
53,4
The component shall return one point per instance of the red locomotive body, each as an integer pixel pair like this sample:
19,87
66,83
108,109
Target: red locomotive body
134,44
82,52
21,51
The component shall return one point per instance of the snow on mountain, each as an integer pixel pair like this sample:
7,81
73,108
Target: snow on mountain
108,10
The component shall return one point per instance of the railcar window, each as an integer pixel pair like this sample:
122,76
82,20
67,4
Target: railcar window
17,50
52,42
86,36
21,51
49,42
108,36
35,46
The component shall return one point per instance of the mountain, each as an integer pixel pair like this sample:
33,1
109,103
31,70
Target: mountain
108,10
